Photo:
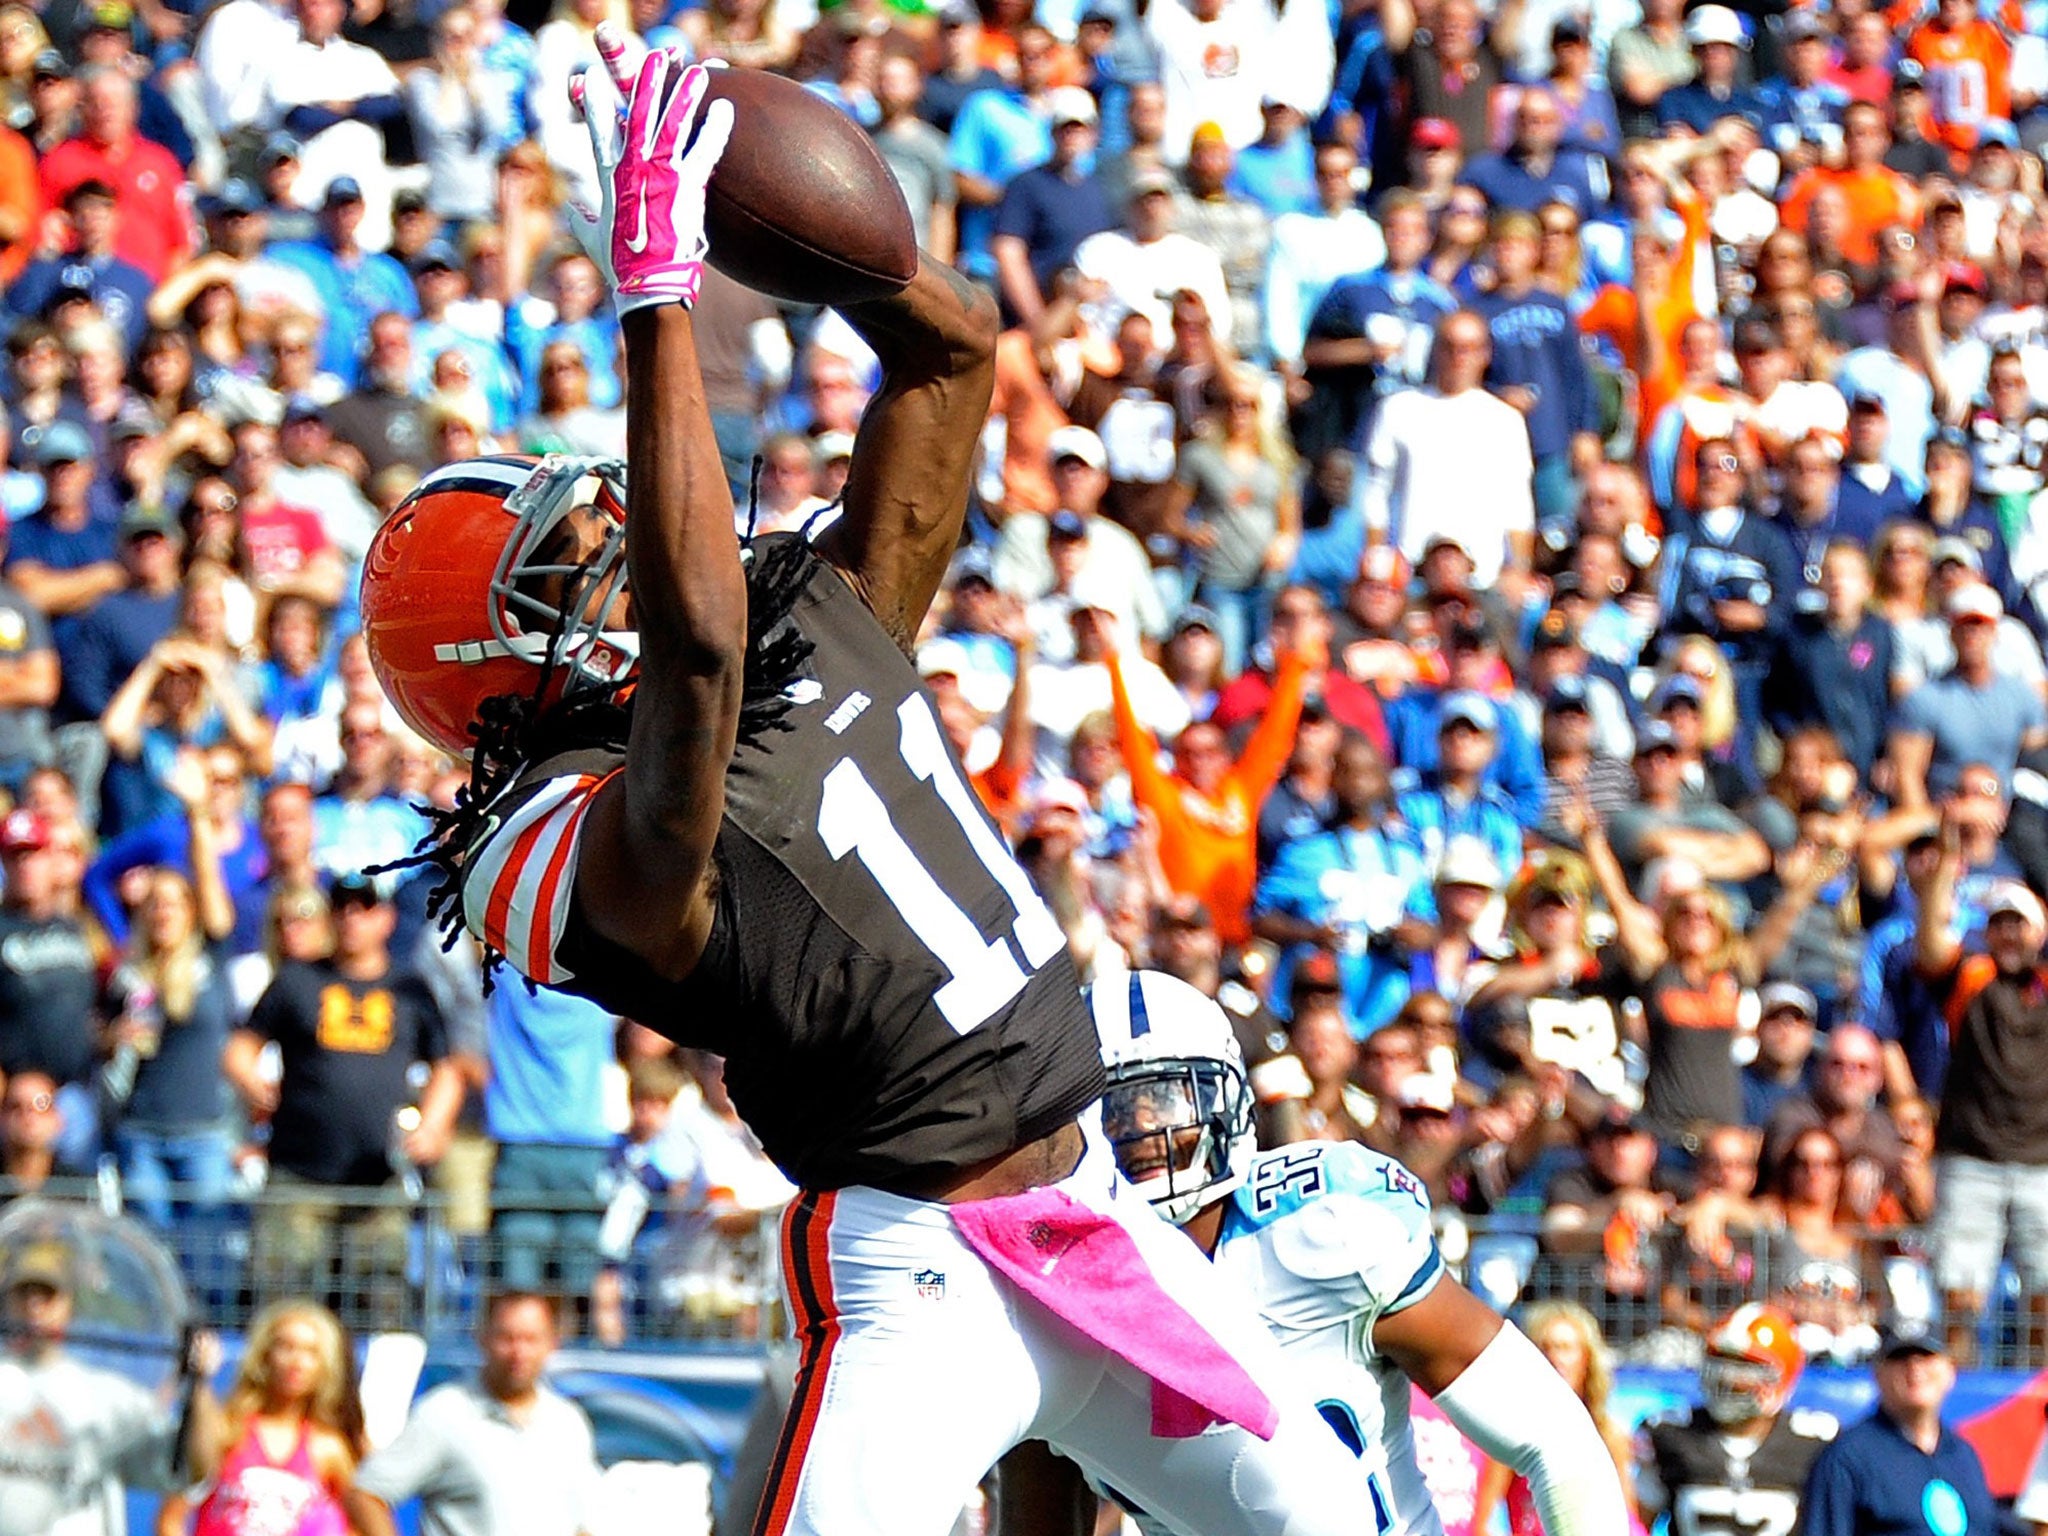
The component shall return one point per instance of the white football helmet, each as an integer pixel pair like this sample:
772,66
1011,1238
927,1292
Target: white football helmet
1178,1108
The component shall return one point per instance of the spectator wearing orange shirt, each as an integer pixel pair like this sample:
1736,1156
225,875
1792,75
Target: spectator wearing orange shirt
21,203
149,188
1968,64
1208,807
1877,195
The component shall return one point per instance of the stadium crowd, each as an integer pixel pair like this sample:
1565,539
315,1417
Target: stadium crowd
1511,549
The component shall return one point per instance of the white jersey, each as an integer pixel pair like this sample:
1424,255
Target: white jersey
67,1433
1330,1237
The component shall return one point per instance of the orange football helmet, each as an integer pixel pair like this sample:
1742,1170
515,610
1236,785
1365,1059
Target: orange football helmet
450,613
1753,1361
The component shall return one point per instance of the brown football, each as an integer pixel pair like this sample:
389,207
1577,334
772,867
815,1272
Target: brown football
802,206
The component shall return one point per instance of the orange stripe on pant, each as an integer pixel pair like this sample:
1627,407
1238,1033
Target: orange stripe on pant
807,1272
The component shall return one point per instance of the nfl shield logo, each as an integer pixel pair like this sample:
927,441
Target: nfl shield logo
930,1283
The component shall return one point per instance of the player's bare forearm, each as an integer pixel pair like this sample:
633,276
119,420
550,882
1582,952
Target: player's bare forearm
689,601
906,492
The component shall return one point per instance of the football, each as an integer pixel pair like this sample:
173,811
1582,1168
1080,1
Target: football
802,206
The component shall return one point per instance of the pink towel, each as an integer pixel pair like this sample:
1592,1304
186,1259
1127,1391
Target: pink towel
1084,1267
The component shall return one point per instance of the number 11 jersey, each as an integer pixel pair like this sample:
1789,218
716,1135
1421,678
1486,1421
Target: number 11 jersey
893,1000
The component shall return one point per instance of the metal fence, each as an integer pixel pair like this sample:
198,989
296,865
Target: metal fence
384,1261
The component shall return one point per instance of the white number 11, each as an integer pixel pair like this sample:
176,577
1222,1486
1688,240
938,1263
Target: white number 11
853,819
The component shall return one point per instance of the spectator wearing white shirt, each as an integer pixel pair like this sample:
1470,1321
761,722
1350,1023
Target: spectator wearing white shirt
1119,571
1218,59
1451,461
1063,695
1311,251
1145,265
334,95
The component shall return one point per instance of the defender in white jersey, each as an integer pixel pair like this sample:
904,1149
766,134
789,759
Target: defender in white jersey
1333,1243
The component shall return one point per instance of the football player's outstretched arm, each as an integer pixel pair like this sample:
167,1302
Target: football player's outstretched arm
906,491
1495,1385
649,838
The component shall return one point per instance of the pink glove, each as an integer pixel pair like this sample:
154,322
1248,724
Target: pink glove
649,234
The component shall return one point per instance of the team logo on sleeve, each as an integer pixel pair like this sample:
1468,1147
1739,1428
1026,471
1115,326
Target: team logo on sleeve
1401,1182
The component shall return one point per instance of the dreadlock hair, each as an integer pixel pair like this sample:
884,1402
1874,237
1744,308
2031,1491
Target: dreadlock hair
513,731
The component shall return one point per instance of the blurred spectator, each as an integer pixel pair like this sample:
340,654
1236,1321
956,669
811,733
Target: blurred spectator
1974,713
1782,1070
1902,1464
31,1131
499,1450
545,1107
1048,210
1646,60
47,975
1208,806
916,152
1209,210
1849,1077
1148,262
1118,570
152,228
296,1386
1001,130
349,1031
461,118
1313,249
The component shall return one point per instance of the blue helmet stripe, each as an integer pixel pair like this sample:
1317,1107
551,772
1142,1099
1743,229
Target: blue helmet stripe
1141,1022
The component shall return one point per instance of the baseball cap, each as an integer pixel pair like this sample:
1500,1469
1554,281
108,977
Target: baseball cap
1198,616
1903,1336
1071,104
1434,133
411,200
1997,132
74,286
958,13
1469,708
1066,524
135,420
353,888
44,1262
1316,971
1714,24
1677,689
142,522
2011,896
1076,443
1655,736
343,189
1466,862
111,16
1960,550
1901,293
51,65
972,564
1787,994
24,831
436,254
1804,27
1974,602
1909,75
303,408
831,447
943,657
1151,179
1567,693
279,146
63,442
1617,1120
235,196
1571,29
1868,400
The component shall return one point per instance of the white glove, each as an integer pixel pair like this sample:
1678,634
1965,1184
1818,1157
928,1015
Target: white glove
648,234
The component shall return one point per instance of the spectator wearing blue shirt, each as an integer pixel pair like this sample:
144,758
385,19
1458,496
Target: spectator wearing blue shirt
1832,666
1048,210
1872,492
998,134
1347,890
1538,366
1895,374
545,1107
1415,724
1902,1472
1455,800
1783,1068
66,557
119,290
1800,106
439,282
355,285
1536,168
575,311
1278,170
1717,39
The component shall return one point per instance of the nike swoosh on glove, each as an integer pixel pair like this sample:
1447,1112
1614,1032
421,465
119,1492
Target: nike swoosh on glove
653,170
